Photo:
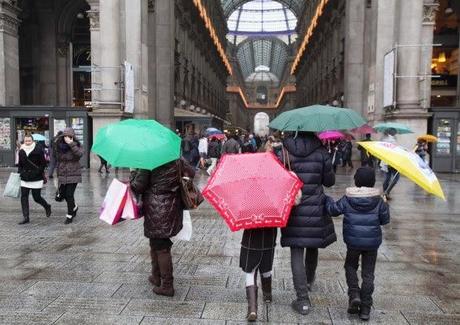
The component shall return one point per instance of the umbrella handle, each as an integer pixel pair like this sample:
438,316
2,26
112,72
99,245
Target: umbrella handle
392,180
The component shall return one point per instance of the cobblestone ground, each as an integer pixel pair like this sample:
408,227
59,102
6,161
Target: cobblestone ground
91,273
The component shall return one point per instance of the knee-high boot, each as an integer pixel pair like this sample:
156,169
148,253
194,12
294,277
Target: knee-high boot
155,278
251,296
166,273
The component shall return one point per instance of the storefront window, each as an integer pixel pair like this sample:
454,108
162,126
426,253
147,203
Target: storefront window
78,124
444,133
38,125
59,125
5,129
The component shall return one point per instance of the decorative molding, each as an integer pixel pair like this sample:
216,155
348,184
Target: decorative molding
151,5
9,21
93,16
429,12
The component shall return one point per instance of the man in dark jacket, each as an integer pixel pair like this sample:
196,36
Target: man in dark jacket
364,211
231,146
308,227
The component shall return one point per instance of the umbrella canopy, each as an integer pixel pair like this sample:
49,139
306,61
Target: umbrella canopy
217,136
317,118
427,138
406,163
365,129
38,137
212,131
331,135
135,143
399,127
252,191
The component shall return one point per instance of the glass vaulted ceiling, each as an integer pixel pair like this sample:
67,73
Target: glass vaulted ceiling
262,31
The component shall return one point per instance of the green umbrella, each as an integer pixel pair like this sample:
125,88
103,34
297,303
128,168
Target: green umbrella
399,127
135,143
317,118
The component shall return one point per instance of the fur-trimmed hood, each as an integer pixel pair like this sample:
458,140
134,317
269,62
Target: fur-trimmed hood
362,191
363,198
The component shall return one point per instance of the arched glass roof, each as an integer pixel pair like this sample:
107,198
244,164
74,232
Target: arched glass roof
261,18
263,77
271,53
231,5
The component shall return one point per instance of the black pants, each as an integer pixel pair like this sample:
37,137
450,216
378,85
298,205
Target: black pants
368,260
103,164
159,244
303,269
68,191
36,194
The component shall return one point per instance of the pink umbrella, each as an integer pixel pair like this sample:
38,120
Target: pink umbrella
331,135
217,136
365,129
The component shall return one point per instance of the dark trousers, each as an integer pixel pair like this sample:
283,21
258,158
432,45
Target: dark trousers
36,194
303,269
347,161
103,164
159,244
368,260
387,187
68,191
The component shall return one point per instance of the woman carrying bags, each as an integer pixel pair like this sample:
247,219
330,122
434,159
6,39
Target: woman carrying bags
31,168
68,152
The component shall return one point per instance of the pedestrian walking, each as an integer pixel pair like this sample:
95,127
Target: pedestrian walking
31,168
68,152
366,158
364,213
336,154
346,155
102,164
421,149
203,151
162,211
391,174
231,146
308,227
213,154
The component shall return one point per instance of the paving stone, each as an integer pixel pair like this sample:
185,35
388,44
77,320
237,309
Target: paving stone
341,317
14,317
431,319
128,291
179,321
285,313
394,302
15,287
71,289
233,311
87,305
71,318
166,308
26,303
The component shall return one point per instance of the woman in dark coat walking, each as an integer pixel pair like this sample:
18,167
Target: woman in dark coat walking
308,227
31,168
68,152
162,209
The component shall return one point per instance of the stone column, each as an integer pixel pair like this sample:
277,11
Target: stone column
94,26
151,111
164,61
430,8
354,54
63,71
9,53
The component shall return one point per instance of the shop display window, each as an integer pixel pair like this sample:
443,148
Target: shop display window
38,125
5,129
78,125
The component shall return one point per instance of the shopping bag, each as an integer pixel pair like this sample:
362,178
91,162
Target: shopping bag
186,232
13,186
132,207
114,202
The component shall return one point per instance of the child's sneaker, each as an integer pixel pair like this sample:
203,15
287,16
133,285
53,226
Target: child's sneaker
353,304
365,312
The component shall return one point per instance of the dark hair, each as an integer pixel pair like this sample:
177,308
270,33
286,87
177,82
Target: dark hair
365,176
28,135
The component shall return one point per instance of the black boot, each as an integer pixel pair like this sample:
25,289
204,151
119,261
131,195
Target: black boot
166,273
155,276
267,288
24,221
354,302
251,296
301,306
365,312
48,210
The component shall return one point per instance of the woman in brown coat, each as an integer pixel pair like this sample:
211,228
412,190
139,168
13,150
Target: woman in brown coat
68,152
162,209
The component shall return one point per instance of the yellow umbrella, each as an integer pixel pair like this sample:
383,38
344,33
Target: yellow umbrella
406,163
428,138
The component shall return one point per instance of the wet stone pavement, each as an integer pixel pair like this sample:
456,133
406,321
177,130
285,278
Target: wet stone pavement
92,273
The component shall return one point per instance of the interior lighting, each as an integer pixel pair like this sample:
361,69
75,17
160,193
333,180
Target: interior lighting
448,10
308,34
212,32
442,57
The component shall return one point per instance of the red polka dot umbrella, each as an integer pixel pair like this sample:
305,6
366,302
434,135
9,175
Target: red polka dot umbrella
252,191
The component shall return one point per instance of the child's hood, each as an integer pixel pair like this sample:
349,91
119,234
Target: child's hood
363,198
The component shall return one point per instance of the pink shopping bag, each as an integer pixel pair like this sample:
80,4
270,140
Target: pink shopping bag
114,202
131,209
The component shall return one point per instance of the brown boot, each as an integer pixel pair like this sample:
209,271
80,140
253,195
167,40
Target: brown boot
154,278
267,288
251,296
166,273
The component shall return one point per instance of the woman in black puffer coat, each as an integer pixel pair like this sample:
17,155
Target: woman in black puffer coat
162,210
308,226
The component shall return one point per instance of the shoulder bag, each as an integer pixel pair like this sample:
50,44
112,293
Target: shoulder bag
190,194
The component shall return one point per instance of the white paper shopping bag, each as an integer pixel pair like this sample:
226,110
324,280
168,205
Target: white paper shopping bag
186,232
114,202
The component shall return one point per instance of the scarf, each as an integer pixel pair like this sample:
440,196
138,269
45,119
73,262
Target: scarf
63,147
28,149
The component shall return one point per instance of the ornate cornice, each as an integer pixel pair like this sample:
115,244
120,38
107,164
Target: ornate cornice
9,21
429,12
93,16
151,5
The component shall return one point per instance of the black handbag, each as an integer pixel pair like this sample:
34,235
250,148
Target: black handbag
190,194
59,197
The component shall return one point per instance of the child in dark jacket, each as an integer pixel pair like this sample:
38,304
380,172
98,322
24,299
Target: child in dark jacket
364,213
